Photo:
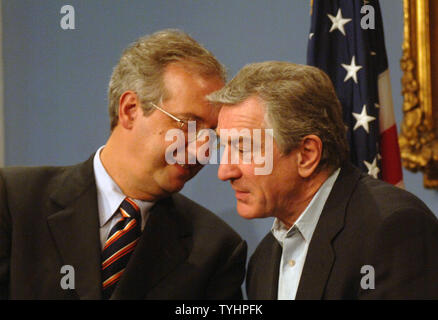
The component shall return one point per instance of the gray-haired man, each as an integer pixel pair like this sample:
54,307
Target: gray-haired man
338,233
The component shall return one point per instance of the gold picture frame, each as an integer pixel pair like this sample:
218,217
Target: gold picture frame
419,130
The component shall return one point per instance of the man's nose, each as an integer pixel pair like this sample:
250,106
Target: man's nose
227,170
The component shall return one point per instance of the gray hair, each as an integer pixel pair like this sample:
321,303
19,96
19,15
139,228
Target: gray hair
299,100
142,65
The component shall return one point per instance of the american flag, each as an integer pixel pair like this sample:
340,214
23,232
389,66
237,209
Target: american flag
349,46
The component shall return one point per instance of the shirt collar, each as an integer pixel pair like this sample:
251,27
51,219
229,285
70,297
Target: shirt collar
109,194
307,221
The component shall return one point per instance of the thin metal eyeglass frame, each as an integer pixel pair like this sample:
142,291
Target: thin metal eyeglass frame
180,122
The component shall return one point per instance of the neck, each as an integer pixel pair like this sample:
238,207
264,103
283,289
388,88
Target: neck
302,197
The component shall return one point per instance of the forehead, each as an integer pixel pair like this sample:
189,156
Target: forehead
247,114
183,84
187,92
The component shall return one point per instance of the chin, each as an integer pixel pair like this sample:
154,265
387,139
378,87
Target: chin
249,212
171,185
175,187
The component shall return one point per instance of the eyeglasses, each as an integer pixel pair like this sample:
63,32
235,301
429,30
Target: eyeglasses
181,123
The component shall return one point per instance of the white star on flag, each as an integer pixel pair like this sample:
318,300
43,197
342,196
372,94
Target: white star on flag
363,119
352,70
338,22
373,169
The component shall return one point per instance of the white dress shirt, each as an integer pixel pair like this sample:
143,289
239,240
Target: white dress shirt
109,198
295,241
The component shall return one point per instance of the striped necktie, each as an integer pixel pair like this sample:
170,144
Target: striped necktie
119,246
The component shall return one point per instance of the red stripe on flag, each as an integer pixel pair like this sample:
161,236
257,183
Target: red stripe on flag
390,152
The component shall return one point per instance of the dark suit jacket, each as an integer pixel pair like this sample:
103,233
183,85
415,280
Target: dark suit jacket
49,218
364,222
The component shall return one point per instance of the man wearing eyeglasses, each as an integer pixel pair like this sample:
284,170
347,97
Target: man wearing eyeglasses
115,227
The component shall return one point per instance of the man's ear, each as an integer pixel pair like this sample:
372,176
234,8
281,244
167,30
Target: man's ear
129,106
309,156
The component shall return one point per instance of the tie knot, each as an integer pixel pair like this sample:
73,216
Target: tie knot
130,209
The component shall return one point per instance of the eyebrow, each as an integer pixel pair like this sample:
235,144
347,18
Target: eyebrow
250,138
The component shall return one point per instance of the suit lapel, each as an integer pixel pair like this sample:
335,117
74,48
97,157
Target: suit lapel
158,252
75,228
321,256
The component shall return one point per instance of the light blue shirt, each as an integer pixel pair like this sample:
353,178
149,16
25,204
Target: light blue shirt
109,198
295,240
